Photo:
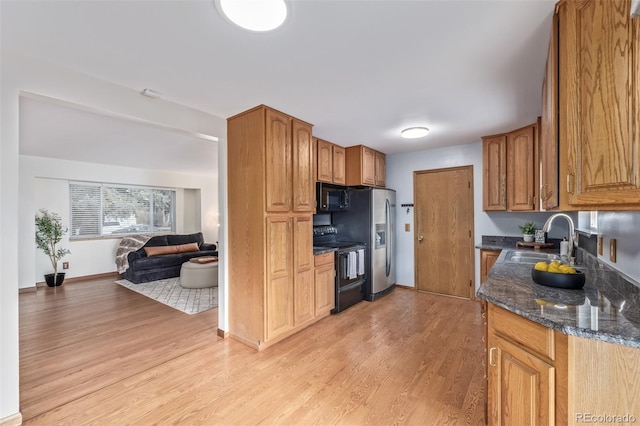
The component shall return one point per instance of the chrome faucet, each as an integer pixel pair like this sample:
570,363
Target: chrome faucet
572,228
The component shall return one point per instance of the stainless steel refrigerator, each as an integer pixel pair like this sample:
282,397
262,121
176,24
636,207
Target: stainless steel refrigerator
371,219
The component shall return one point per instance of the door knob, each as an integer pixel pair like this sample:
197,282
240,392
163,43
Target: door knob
420,238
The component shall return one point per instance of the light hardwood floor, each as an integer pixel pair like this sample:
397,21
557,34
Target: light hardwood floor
96,353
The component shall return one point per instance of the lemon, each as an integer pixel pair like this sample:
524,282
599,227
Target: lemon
556,263
541,266
554,268
566,269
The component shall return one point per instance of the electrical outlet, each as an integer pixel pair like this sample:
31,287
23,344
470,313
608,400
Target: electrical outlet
601,245
407,227
65,265
612,250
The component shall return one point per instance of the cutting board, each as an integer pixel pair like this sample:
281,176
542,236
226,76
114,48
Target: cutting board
536,246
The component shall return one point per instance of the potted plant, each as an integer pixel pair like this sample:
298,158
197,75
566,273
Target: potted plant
49,232
528,231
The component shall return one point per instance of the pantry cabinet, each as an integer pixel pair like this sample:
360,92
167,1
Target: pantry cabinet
365,166
510,170
599,89
271,181
330,162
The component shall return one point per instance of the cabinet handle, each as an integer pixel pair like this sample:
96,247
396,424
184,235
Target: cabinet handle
491,363
570,183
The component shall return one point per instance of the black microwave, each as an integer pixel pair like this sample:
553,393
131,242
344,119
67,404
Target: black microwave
331,198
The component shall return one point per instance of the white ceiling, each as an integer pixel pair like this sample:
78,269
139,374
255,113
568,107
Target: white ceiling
359,70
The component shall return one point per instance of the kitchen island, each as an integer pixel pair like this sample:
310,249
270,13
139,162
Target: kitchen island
561,356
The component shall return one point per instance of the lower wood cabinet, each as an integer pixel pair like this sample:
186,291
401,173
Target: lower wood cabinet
325,299
487,260
536,375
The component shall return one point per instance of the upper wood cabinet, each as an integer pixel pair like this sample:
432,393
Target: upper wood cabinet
365,166
330,162
303,167
599,89
509,163
549,195
494,173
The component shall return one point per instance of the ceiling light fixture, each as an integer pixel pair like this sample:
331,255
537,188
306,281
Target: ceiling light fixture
414,132
150,93
255,15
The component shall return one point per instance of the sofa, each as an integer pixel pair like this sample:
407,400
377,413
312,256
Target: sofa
162,256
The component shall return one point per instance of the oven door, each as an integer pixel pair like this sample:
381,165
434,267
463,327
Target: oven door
349,279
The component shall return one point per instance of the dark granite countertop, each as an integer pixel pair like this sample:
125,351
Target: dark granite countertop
607,308
490,242
323,250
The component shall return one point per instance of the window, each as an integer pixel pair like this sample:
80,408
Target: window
102,210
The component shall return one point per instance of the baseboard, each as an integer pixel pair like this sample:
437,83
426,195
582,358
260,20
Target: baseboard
27,290
405,286
222,334
12,420
105,275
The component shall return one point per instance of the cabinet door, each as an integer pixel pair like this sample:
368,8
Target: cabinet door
279,283
549,126
521,386
303,258
599,98
303,168
325,161
521,169
487,260
325,289
381,169
368,166
339,176
278,162
494,168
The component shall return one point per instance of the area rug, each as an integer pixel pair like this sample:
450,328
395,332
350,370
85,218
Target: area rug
169,292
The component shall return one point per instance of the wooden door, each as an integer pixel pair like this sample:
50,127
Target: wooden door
368,166
521,386
494,173
325,161
487,260
302,168
381,169
600,104
548,143
522,169
304,303
279,280
444,252
278,186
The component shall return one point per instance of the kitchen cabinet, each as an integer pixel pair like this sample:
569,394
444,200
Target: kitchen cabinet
599,90
330,162
487,260
549,156
510,170
526,371
365,166
271,181
325,298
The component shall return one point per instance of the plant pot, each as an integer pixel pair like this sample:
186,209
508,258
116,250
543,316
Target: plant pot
49,279
528,238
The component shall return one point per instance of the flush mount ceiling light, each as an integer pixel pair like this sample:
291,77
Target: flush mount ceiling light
414,132
254,15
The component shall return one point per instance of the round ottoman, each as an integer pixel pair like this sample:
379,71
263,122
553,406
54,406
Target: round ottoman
199,275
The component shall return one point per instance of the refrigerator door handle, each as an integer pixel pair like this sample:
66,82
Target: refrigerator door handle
387,246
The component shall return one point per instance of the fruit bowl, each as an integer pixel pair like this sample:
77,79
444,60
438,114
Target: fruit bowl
552,279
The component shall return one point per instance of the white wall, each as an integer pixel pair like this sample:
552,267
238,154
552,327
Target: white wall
22,74
400,168
44,183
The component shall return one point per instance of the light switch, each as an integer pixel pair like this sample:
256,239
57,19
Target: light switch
407,227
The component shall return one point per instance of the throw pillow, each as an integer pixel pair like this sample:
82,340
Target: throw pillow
181,248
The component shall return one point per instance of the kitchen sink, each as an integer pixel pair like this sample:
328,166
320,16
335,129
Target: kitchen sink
529,257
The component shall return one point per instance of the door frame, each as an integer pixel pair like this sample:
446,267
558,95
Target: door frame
472,258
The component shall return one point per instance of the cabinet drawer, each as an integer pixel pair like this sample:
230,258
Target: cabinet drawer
528,334
323,259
